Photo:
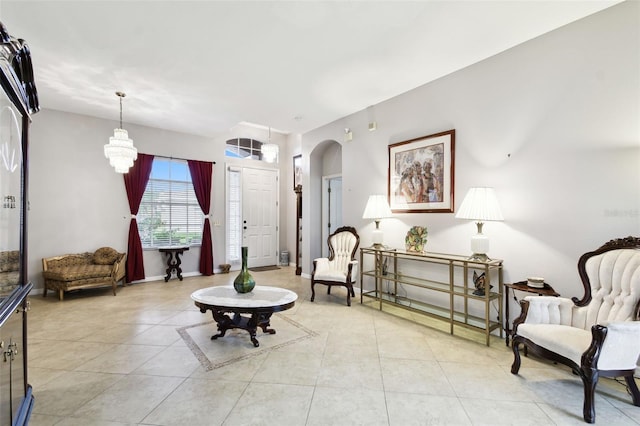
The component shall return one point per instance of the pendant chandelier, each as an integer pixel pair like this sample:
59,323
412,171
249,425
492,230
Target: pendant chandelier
270,151
120,150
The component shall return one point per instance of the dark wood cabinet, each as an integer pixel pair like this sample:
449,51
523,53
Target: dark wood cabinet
18,101
15,394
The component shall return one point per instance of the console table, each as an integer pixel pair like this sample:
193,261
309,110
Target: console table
173,260
437,285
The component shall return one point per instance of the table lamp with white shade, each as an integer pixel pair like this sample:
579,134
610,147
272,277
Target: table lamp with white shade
377,208
480,204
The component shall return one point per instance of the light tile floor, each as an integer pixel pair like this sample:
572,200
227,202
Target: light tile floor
96,359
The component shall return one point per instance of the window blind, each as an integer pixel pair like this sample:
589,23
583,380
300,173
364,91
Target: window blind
169,213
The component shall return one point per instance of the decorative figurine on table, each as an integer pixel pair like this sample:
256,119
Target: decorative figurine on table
479,281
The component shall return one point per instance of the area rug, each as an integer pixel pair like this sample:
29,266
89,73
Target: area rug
236,344
264,268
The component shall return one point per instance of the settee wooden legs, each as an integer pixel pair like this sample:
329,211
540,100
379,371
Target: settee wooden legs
114,287
633,388
515,367
589,376
589,380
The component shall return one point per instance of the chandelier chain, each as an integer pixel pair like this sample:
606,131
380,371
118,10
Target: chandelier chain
121,95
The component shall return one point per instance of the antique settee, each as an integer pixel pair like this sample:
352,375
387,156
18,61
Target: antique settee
105,267
597,335
9,270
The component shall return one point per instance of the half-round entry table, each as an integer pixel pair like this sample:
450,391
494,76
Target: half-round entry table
259,304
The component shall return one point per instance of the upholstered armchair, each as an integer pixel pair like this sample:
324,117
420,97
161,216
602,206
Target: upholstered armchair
340,268
597,335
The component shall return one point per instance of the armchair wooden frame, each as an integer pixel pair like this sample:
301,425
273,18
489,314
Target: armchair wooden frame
588,369
351,274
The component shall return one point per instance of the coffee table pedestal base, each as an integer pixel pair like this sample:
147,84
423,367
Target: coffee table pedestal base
250,324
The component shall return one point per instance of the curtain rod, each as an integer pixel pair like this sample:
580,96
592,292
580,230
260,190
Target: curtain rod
177,158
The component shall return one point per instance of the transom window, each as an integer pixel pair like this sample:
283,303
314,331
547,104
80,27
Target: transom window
169,213
244,148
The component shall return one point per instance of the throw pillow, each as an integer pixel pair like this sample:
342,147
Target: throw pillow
105,256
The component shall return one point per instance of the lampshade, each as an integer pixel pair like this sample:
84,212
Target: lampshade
480,204
377,208
120,150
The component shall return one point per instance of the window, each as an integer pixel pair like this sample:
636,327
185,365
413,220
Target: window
234,214
245,148
169,213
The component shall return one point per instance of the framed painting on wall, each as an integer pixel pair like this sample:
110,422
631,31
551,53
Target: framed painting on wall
297,171
421,174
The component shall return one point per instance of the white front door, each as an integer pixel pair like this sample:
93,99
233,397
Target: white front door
260,215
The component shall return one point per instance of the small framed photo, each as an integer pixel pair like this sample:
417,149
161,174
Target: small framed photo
421,174
297,171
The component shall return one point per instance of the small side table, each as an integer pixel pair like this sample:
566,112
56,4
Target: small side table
173,260
522,286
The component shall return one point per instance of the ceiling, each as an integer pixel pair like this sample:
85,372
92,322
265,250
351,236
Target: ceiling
201,67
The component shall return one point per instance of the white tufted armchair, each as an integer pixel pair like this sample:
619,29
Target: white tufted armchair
340,268
598,335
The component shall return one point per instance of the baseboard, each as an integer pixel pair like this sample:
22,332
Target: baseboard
161,277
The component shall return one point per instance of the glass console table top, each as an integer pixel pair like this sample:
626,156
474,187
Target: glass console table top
432,256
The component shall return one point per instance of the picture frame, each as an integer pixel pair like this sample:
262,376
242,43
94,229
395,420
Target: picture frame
297,171
421,174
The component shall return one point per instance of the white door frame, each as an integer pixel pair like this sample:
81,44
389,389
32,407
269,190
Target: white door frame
325,210
276,245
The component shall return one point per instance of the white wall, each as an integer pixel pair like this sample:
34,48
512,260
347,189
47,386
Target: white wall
552,124
288,197
78,202
332,160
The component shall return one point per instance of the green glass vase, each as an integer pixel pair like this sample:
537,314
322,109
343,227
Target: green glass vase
244,282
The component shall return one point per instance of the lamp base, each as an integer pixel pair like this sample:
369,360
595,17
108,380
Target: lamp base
479,245
376,237
482,257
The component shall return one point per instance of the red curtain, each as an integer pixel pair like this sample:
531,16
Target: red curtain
201,176
135,183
